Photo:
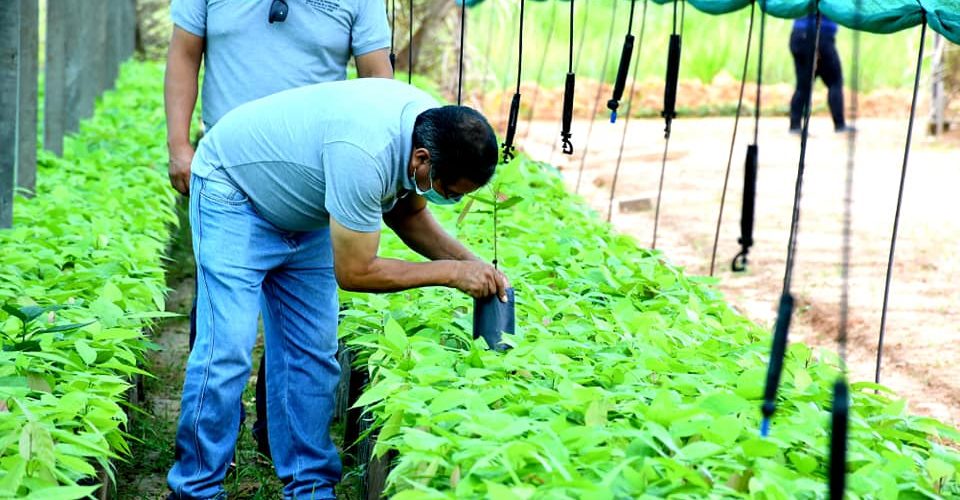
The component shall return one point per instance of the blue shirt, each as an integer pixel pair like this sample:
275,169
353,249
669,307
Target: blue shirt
337,149
246,57
809,23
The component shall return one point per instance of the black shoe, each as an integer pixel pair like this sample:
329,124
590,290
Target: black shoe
796,130
845,129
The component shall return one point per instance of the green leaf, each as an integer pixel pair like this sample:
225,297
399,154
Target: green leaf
938,469
700,450
513,200
64,328
394,337
87,353
62,493
759,447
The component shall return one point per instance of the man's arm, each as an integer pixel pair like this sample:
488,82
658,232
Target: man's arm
180,97
417,227
359,269
375,64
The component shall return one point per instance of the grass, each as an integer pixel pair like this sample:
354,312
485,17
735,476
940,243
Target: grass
711,44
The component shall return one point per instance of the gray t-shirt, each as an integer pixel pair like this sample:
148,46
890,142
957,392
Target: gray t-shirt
247,58
339,149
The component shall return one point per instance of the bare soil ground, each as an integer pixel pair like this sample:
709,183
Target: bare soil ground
922,345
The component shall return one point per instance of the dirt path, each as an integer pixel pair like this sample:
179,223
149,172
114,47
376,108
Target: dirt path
922,346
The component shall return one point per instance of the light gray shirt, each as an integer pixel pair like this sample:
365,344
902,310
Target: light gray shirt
246,57
337,149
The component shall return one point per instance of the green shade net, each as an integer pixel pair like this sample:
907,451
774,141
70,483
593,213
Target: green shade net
875,16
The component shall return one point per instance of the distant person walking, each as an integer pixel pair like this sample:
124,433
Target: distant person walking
829,69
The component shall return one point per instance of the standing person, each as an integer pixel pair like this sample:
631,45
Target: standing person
828,64
287,198
251,49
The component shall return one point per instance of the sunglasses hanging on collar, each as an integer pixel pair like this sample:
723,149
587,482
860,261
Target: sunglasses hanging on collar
278,11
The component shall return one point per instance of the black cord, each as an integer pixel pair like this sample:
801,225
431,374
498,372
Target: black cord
785,309
596,100
756,108
463,30
626,121
733,140
624,67
393,34
576,67
508,148
568,94
896,217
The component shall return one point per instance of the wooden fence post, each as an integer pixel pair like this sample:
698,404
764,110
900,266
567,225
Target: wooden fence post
55,75
9,98
27,126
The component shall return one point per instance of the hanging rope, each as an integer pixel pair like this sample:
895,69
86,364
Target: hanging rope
393,32
733,140
508,148
626,124
463,31
410,48
576,68
541,68
596,99
505,86
896,217
785,309
747,206
669,106
568,95
841,397
623,69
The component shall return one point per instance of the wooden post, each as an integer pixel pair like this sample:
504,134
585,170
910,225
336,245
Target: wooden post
55,75
27,126
9,99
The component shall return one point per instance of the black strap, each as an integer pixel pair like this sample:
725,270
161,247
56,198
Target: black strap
733,141
596,99
747,211
838,439
785,311
410,48
623,69
568,91
896,217
463,31
508,148
393,31
633,85
673,74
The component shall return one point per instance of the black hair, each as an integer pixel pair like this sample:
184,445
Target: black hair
461,143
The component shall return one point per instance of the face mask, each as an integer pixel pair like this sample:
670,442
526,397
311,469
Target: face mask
431,195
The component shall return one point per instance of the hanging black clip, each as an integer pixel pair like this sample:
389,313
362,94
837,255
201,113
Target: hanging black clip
508,148
670,90
568,113
393,61
747,214
621,82
838,439
775,367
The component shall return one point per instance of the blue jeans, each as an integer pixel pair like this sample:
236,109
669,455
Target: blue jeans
241,257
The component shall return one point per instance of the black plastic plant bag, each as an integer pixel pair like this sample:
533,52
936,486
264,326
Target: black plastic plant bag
491,318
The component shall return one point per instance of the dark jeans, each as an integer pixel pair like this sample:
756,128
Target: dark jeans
829,70
260,426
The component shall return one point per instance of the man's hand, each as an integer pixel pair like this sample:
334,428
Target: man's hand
479,280
179,169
